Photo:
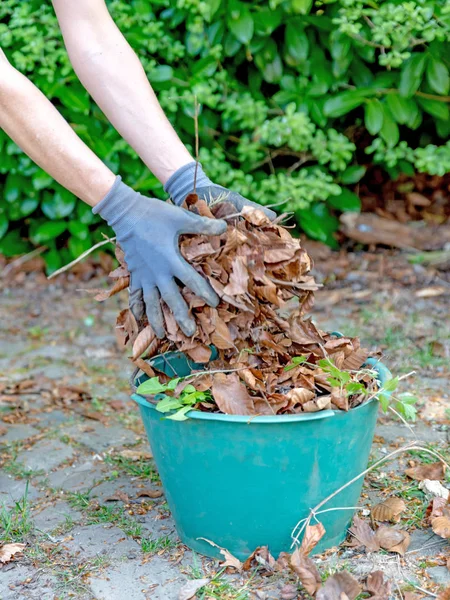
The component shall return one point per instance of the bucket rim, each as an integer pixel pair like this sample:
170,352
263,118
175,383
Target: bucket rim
383,374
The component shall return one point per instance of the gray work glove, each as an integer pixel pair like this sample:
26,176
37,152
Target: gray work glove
148,230
181,183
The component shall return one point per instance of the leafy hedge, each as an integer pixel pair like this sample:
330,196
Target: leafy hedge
297,98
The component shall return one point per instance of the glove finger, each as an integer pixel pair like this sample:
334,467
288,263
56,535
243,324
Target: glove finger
196,283
205,225
170,293
136,302
153,311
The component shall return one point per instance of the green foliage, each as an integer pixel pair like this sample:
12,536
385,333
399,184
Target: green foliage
181,404
285,87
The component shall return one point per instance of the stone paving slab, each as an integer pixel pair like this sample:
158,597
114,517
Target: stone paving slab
94,540
78,477
55,515
157,579
13,490
129,485
19,582
45,455
99,437
16,433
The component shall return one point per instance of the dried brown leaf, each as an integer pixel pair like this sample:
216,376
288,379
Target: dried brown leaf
339,398
190,589
135,455
221,337
307,572
445,594
255,216
144,367
312,536
393,540
238,281
319,403
231,395
299,396
150,493
118,496
143,341
289,592
434,471
364,534
199,354
441,526
121,284
8,551
339,587
378,586
389,510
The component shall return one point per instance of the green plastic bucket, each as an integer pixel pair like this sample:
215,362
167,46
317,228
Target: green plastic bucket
245,482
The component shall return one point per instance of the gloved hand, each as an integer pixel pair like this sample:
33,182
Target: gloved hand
148,230
181,183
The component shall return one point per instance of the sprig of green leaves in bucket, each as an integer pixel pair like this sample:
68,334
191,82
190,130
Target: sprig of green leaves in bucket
402,403
181,404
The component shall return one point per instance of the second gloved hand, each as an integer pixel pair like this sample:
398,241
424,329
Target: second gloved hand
148,230
181,183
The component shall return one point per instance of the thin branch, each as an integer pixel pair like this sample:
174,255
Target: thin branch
22,260
81,257
196,141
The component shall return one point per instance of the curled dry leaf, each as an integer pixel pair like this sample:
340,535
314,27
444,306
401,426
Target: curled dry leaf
289,592
389,510
150,493
230,560
379,588
313,535
120,284
118,496
441,527
393,540
143,341
364,535
338,587
231,395
445,594
438,507
8,551
135,455
307,571
190,589
434,471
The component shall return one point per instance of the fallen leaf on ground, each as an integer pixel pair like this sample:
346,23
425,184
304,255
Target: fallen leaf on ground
441,527
437,507
339,586
445,594
364,535
389,510
8,551
262,557
150,493
434,472
190,589
230,560
307,571
135,455
119,495
288,592
143,341
393,540
379,588
312,536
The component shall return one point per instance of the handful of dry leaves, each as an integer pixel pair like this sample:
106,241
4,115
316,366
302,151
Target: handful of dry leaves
274,359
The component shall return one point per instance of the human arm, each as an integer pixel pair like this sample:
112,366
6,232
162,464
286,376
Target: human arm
148,229
113,75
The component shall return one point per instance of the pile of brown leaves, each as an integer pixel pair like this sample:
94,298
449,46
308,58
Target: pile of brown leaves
262,276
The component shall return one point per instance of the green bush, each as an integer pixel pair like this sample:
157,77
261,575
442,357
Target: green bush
297,98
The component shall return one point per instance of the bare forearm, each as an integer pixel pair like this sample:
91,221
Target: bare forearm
38,128
113,75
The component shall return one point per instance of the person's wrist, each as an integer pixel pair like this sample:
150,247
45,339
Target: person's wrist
117,208
181,183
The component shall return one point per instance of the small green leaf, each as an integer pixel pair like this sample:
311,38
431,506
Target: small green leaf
354,388
74,97
343,103
403,110
411,74
41,180
151,387
297,42
167,404
352,174
373,116
161,73
13,187
347,201
301,7
385,401
180,415
434,108
318,222
389,131
240,23
48,231
172,384
79,230
4,223
189,389
437,76
391,384
58,205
